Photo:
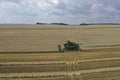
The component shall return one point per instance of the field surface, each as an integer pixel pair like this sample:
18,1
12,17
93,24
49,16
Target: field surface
30,52
26,38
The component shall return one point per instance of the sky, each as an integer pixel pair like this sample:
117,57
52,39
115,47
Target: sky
59,11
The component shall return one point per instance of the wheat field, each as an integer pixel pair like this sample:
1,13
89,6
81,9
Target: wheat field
30,52
26,38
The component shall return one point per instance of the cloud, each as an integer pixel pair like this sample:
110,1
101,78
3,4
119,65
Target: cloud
68,11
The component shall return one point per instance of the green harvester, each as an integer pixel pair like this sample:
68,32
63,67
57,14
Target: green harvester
69,46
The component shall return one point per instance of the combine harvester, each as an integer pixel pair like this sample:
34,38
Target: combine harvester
70,46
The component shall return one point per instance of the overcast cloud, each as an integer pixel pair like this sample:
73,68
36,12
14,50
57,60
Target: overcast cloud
67,11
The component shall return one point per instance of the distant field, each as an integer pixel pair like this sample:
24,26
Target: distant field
26,38
23,57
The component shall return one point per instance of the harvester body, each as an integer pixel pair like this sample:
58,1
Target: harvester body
69,46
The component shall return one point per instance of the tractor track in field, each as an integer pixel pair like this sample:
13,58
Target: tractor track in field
73,64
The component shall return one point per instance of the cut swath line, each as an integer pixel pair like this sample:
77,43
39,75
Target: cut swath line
56,74
56,62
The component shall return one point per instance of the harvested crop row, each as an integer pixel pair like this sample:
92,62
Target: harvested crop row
101,75
70,66
54,62
56,74
32,68
32,63
98,64
110,75
33,57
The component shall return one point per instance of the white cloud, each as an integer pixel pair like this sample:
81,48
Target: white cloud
69,11
7,4
55,2
110,8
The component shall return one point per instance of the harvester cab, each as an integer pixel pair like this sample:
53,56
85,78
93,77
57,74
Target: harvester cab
69,46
